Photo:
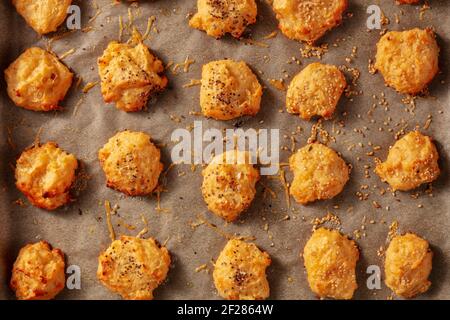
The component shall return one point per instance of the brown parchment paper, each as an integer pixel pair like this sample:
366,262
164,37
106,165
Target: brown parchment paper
80,230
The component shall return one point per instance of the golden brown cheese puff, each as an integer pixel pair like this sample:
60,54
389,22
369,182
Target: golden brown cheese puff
315,91
240,272
408,265
133,267
218,17
45,174
330,261
229,90
130,74
308,20
229,183
408,60
37,80
131,163
319,173
412,160
38,273
43,16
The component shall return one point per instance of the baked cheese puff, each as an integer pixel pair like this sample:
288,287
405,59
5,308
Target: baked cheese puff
407,265
229,184
130,74
408,60
131,163
229,90
412,161
315,91
308,20
240,272
38,272
133,267
319,173
218,17
45,174
330,260
37,80
43,16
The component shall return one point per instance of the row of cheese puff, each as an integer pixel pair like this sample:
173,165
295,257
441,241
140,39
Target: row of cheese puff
46,174
134,267
130,74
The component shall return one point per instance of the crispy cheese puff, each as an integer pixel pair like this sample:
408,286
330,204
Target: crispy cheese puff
315,91
38,273
330,261
130,74
43,16
229,90
412,160
408,60
408,265
133,267
37,80
45,174
308,20
131,163
229,183
319,173
240,272
218,17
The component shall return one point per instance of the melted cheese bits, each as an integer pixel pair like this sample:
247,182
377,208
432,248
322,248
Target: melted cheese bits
229,90
37,80
43,16
308,20
131,163
319,173
408,60
412,161
408,265
330,261
45,174
240,272
39,272
133,267
218,17
130,74
315,91
229,184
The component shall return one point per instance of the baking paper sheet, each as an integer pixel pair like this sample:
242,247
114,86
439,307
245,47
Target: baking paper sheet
80,230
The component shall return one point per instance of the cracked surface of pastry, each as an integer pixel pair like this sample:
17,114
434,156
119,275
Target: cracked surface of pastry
37,80
229,184
408,60
45,174
229,89
408,263
411,161
308,20
131,163
38,272
130,74
240,271
218,17
315,91
133,267
319,173
330,260
43,16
